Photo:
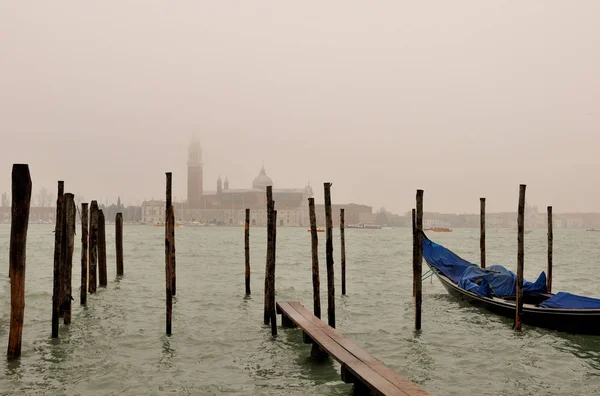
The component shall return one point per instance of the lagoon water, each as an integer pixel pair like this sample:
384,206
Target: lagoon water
116,344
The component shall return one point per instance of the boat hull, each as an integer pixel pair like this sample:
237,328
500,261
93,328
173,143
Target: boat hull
577,321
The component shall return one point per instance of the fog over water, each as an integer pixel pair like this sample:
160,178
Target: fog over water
463,99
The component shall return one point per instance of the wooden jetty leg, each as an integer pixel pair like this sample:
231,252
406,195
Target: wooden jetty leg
349,378
287,322
414,252
314,240
21,199
119,242
93,280
343,249
102,275
267,310
317,353
169,232
550,243
68,246
482,231
247,250
58,229
272,276
84,254
520,257
329,257
419,261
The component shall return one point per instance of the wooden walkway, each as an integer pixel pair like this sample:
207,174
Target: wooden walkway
369,375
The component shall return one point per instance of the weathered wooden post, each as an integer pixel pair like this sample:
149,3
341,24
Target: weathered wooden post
93,280
414,252
314,241
169,234
329,257
550,243
21,198
343,249
173,257
270,255
84,254
119,242
520,256
102,274
70,212
247,250
482,231
419,261
58,230
272,275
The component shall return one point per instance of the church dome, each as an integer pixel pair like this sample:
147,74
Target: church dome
262,180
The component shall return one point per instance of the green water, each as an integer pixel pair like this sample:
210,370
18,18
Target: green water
116,345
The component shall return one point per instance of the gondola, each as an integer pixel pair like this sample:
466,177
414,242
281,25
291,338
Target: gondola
492,289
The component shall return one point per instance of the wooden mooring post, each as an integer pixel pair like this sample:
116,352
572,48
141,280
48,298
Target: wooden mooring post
169,251
266,309
520,256
84,254
482,231
102,274
119,243
70,212
343,250
414,252
21,199
314,241
269,310
93,280
58,230
247,251
329,256
173,257
550,243
273,314
418,265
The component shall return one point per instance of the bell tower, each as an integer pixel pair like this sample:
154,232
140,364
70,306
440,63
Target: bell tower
194,186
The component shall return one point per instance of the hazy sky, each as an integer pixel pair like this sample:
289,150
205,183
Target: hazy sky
461,98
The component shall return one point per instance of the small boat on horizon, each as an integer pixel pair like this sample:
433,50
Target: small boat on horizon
438,229
365,226
494,288
319,229
512,231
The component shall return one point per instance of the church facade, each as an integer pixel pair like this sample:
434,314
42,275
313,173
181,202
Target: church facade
227,206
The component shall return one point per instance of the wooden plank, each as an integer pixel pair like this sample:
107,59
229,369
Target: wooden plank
407,386
361,370
304,312
377,365
372,380
359,363
287,310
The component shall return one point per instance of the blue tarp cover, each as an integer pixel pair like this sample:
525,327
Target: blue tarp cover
444,260
571,301
498,281
493,281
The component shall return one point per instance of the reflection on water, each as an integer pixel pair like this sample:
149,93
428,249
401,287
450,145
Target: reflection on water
587,348
168,353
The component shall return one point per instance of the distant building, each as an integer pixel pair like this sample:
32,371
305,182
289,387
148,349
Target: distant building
153,212
36,214
353,214
226,205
